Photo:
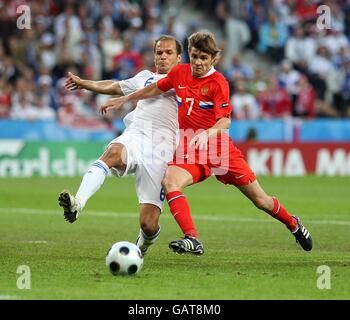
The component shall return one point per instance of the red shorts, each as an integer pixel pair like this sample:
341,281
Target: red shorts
222,159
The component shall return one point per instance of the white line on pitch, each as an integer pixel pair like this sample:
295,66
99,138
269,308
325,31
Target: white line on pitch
36,241
8,297
134,214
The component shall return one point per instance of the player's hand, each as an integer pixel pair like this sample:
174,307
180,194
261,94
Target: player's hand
200,141
73,82
113,103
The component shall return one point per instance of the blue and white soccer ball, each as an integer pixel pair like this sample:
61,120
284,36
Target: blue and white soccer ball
124,258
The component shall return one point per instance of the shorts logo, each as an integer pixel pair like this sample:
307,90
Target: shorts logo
204,90
224,105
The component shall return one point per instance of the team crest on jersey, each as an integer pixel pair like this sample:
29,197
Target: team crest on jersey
204,90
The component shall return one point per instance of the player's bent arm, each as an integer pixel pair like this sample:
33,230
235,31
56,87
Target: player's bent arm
147,92
201,140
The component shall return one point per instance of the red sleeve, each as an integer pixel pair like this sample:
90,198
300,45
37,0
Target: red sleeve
222,103
168,82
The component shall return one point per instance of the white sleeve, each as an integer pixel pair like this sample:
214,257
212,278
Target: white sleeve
137,82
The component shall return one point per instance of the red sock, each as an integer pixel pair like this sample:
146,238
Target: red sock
281,214
181,212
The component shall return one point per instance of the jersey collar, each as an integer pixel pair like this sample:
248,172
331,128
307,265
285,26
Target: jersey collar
210,72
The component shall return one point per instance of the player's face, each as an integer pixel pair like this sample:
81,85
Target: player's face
200,62
165,56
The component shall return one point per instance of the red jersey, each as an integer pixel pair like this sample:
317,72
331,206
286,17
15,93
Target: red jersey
201,101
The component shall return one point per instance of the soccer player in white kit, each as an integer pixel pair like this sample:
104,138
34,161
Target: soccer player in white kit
145,147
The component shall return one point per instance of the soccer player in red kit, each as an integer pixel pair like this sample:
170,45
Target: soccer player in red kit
205,148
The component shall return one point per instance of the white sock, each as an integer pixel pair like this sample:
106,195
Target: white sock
92,181
148,240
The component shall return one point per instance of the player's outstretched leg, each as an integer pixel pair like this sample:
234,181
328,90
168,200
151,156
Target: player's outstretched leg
302,235
149,225
71,206
91,182
274,208
187,245
143,241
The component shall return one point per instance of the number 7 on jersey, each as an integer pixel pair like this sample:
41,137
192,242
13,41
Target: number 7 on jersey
191,101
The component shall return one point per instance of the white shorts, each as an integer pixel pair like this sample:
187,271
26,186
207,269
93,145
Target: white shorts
148,161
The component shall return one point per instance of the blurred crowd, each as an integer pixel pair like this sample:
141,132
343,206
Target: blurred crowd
303,70
306,54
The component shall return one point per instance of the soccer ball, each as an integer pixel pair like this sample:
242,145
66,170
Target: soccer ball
124,258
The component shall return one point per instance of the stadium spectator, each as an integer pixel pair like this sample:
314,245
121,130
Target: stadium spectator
341,57
23,88
8,18
145,38
236,32
111,45
258,83
48,54
88,55
272,39
320,68
306,10
67,26
344,104
289,79
68,114
305,100
245,105
237,66
286,11
275,101
335,40
300,49
255,17
5,98
44,111
127,63
23,109
46,92
346,23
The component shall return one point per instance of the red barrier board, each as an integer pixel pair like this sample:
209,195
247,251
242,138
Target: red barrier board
298,159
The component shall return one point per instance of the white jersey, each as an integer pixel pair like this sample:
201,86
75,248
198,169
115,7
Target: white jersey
149,138
156,116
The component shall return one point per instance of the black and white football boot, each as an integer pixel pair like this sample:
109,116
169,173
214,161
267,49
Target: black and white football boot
71,206
302,236
187,245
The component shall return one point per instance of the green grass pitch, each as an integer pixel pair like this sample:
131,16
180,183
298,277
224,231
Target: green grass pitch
248,255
